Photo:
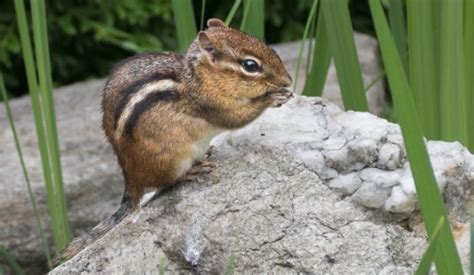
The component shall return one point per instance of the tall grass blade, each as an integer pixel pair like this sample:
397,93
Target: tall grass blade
422,72
453,99
429,198
162,266
185,23
469,65
472,238
425,263
312,13
230,268
309,54
55,191
232,12
16,268
321,60
398,27
343,50
25,172
203,9
253,21
58,221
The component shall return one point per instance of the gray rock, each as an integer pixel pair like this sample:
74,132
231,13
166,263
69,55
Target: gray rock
268,210
346,184
369,58
390,156
260,208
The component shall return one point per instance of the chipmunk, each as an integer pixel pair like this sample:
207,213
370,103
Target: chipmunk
161,110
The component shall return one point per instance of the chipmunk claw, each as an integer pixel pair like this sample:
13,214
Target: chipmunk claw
279,98
199,168
211,151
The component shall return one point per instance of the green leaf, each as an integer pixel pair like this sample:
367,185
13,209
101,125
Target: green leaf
312,13
185,23
429,197
253,21
398,27
56,197
232,12
321,60
16,268
423,80
43,109
8,110
203,8
425,263
162,266
469,65
343,50
453,98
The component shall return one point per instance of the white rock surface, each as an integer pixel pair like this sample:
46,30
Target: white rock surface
345,149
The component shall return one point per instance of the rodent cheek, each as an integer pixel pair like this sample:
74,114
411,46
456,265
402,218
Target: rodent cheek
254,89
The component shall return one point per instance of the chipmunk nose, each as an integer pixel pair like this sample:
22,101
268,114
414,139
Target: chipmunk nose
286,81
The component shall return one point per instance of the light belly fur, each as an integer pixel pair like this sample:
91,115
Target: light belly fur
198,150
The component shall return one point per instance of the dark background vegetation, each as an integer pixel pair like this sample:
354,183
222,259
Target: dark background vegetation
86,37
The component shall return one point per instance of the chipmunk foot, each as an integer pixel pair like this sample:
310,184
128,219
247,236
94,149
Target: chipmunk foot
279,98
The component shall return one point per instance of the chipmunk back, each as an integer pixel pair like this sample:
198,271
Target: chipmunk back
161,110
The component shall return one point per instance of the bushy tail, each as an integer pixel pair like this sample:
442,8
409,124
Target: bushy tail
127,206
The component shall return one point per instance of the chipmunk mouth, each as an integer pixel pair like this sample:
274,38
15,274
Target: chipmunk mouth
284,91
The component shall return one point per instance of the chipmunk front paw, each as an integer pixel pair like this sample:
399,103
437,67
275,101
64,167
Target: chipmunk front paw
279,98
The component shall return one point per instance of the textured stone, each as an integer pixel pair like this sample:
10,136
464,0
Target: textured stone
271,212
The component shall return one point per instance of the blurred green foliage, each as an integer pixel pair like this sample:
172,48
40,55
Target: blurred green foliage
87,37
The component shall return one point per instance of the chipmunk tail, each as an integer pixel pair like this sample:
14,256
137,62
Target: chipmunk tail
127,206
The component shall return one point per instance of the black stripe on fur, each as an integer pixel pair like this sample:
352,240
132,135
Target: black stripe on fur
147,103
128,92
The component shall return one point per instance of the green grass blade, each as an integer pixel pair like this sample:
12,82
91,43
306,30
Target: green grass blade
309,54
343,50
25,172
398,27
57,207
425,263
422,73
162,266
429,197
230,267
232,12
16,268
203,8
453,100
312,13
469,65
472,238
33,87
321,60
185,23
377,79
253,20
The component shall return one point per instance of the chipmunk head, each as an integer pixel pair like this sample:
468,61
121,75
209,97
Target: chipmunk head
235,66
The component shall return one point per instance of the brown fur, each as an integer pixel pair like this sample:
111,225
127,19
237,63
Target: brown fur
212,95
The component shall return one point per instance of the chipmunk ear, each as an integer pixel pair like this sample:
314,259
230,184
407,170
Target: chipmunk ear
215,23
206,45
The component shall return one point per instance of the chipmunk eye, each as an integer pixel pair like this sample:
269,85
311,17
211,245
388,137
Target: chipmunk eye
250,65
